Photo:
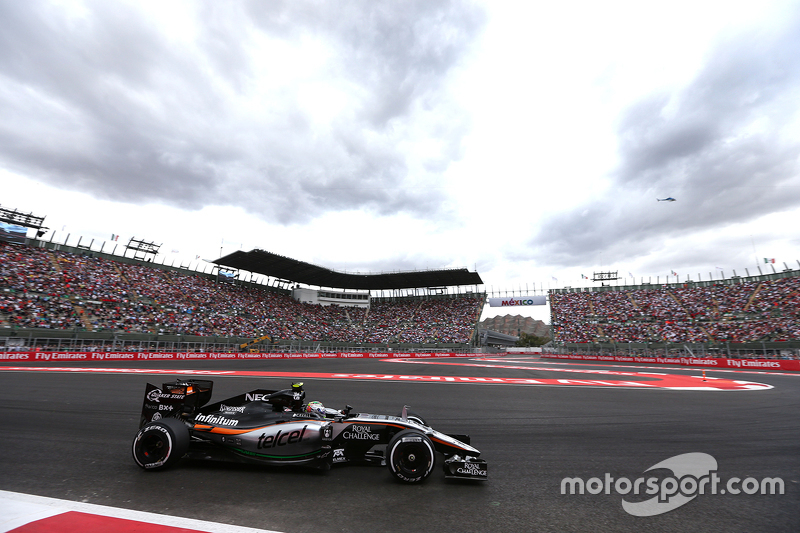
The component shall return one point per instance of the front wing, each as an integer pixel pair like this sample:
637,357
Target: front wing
457,467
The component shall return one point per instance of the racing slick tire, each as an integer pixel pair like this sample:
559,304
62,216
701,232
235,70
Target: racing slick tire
411,415
410,456
160,444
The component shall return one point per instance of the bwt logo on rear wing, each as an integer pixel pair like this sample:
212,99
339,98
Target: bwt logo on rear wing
159,404
176,399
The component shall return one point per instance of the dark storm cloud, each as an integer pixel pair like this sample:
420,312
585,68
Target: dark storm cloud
718,146
83,108
101,100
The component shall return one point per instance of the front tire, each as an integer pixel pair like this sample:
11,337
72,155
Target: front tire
415,417
161,444
410,456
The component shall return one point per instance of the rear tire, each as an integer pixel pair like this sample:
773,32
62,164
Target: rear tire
161,444
410,456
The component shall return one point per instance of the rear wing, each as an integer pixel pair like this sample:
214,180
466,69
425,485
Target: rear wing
185,398
176,399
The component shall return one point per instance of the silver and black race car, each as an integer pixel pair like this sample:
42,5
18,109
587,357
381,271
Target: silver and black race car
278,428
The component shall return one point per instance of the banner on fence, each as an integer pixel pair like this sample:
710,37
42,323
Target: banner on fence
740,364
182,356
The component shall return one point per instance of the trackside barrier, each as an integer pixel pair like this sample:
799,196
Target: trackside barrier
174,356
741,364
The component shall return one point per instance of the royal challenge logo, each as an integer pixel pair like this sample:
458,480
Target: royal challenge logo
692,475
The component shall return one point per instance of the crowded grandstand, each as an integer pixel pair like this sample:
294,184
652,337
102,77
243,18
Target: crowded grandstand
60,297
742,311
48,289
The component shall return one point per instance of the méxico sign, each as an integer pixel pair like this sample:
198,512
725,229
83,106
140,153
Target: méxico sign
517,301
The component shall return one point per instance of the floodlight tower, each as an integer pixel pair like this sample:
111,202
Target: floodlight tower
605,276
15,218
142,249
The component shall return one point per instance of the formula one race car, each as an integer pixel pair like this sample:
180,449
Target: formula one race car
278,428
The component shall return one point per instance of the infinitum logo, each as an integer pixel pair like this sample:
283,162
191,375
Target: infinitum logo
693,474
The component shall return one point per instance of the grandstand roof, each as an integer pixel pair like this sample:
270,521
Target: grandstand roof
273,265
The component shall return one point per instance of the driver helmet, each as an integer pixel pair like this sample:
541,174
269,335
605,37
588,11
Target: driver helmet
316,408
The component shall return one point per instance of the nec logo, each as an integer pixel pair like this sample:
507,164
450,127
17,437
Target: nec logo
256,397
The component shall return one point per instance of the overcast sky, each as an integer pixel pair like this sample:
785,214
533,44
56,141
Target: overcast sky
527,140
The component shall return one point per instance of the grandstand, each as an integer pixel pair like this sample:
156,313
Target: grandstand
279,267
755,316
60,297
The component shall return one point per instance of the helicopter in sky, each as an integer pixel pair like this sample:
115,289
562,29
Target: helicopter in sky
667,199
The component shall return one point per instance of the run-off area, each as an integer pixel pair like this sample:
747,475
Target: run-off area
562,375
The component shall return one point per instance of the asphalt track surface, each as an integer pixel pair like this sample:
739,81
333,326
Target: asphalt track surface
67,435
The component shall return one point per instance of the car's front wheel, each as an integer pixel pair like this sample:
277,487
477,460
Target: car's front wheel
411,415
160,444
410,456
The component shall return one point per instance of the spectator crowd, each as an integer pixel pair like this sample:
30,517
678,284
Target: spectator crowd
745,311
41,288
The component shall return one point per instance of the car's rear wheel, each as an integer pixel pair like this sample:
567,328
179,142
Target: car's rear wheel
160,444
410,456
